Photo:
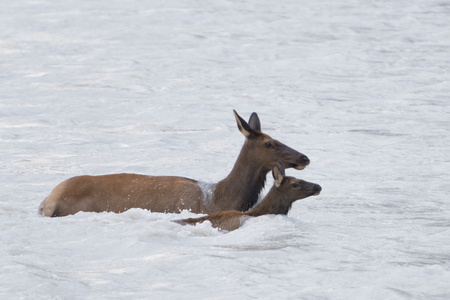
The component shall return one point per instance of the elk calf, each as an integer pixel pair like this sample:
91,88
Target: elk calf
119,192
279,200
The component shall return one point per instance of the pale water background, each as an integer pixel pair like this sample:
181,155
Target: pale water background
99,87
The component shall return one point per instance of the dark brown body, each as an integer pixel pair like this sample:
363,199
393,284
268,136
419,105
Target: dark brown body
119,192
279,200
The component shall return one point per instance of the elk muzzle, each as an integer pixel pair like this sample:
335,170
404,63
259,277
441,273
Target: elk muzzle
316,190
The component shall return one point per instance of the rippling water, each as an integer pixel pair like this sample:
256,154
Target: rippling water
99,87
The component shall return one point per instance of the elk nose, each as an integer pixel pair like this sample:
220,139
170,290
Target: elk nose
317,188
304,160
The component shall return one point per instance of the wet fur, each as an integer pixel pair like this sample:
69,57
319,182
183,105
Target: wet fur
279,200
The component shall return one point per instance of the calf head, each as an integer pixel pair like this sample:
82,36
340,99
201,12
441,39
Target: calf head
292,188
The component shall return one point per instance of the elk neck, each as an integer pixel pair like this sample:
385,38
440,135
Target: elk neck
242,186
274,203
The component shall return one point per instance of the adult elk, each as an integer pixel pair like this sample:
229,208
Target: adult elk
279,200
119,192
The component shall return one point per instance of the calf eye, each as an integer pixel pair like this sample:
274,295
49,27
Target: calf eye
268,145
295,185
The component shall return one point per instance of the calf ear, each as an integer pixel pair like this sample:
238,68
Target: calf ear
278,174
254,123
243,127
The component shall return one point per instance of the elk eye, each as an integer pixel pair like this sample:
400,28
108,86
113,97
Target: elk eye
268,145
295,185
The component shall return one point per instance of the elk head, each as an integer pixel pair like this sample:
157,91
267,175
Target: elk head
267,150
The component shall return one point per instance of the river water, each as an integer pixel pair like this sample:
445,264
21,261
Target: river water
100,87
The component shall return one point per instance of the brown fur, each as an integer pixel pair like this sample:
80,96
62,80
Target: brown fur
279,200
119,192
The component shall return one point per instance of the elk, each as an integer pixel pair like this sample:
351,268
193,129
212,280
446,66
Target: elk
172,194
285,191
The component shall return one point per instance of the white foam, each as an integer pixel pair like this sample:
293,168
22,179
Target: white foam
208,192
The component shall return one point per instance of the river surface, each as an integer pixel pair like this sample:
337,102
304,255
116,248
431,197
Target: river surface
99,87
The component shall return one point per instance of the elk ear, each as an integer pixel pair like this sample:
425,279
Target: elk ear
254,123
278,174
243,126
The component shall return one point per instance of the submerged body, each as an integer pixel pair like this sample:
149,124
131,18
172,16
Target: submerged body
119,192
279,200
